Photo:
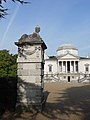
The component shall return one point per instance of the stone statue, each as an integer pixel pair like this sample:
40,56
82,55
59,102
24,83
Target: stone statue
37,29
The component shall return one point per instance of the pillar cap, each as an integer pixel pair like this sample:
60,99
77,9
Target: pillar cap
33,38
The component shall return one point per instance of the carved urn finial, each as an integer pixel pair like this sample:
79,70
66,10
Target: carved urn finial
37,29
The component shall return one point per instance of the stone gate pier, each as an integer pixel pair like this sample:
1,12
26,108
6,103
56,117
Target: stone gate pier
30,70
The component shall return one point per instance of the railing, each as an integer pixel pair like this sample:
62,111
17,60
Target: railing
51,77
85,77
55,77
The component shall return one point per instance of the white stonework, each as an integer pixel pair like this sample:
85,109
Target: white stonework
67,66
30,69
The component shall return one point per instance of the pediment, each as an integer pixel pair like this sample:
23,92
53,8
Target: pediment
69,56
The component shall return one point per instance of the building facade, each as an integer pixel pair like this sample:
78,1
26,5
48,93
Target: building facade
67,65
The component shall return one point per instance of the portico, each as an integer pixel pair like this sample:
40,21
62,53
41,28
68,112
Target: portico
67,66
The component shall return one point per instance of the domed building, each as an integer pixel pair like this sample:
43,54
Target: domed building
67,48
67,65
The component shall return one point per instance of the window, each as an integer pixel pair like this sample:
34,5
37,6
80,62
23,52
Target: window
50,68
73,77
64,77
86,67
46,75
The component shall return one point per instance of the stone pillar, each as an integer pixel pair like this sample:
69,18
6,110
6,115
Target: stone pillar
30,70
74,67
61,66
66,66
58,66
70,67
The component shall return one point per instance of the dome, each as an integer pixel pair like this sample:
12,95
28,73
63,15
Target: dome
67,48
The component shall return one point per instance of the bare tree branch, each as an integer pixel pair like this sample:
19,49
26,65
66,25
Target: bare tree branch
3,11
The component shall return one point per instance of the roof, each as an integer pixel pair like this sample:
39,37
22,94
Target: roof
52,58
84,58
69,54
66,46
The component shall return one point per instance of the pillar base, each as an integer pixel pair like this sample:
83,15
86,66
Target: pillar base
31,107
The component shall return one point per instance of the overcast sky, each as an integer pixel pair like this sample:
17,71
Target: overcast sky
61,22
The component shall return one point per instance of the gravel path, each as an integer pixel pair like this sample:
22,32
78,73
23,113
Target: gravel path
65,101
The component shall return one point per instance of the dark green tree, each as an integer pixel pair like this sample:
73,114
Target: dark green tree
8,65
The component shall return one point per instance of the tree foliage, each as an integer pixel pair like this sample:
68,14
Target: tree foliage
8,65
3,11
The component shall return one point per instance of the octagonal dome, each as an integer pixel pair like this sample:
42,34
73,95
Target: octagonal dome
67,48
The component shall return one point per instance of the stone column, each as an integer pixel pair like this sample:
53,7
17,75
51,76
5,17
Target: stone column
58,66
30,77
62,66
66,66
70,67
74,66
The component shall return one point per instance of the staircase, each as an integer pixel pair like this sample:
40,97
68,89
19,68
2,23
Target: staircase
51,78
85,78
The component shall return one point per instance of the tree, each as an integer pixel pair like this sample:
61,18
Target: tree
8,65
3,11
